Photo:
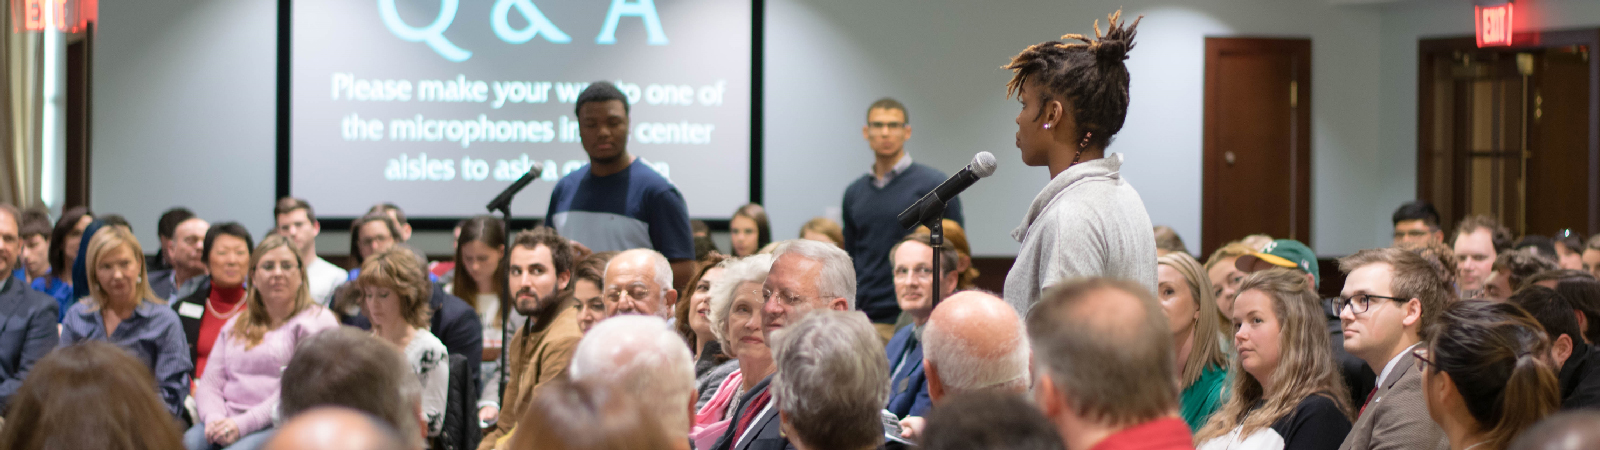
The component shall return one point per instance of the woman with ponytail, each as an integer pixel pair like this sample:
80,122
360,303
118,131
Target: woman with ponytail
1486,374
1087,221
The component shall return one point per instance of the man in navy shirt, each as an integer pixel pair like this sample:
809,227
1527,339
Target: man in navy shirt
873,203
613,204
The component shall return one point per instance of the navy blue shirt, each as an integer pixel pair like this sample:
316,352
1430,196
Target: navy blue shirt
872,227
634,208
152,334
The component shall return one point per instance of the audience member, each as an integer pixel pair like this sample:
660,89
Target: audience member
1440,257
1552,278
122,310
749,230
370,235
540,267
587,278
1591,256
1510,269
831,382
613,203
873,202
450,319
295,219
29,316
394,295
220,296
335,428
1569,249
568,415
1537,245
477,281
641,357
89,396
1585,297
736,321
1223,271
165,227
990,420
820,229
398,215
912,263
639,281
1125,397
1168,241
34,229
1478,243
350,368
692,320
1417,221
1088,221
186,250
1200,357
1257,240
956,237
236,397
64,243
805,276
1487,374
1571,430
1286,391
1577,363
1390,298
973,342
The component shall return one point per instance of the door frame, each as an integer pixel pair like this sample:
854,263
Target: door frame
1427,48
1300,132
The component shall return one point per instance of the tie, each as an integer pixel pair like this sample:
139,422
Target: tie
1368,402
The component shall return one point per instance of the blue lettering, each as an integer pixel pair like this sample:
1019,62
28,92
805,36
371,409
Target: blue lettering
644,9
433,34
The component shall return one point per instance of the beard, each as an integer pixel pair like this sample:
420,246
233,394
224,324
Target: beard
538,304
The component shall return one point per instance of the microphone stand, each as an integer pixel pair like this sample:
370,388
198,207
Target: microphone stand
936,240
502,204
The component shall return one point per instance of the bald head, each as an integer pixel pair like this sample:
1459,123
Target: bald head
335,428
974,341
1573,430
639,281
644,358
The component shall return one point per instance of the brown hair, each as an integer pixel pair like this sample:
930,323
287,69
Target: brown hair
344,366
1305,366
1496,354
562,256
398,270
1206,351
889,103
88,395
105,240
1131,380
488,230
1520,264
34,221
586,415
681,310
1089,77
757,214
826,227
59,267
593,268
355,232
254,323
1498,234
290,204
1440,256
949,258
1167,239
1413,277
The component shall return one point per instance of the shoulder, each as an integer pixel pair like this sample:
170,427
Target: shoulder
1317,411
898,341
425,342
315,318
33,299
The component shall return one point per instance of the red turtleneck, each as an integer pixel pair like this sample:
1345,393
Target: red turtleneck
222,304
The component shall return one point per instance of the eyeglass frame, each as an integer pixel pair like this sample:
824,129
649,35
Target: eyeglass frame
1341,303
1420,353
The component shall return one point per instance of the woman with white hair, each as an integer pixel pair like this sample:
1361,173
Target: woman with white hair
736,321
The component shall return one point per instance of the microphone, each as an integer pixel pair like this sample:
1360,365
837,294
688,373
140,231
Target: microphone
503,201
931,206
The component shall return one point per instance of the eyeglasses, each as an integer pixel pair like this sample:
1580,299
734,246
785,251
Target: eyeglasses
886,125
1360,302
921,273
788,298
1422,357
635,291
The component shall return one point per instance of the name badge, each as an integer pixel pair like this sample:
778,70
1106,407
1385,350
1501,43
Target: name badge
191,310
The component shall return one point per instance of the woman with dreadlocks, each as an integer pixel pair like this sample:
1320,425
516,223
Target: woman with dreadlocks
1088,221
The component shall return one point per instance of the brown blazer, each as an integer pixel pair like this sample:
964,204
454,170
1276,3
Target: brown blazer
536,358
1397,417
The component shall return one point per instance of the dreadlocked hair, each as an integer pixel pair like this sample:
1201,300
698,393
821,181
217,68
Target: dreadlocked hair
1089,74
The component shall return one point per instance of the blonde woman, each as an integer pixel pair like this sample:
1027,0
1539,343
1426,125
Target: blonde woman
394,293
1225,277
122,310
1202,361
238,392
1286,391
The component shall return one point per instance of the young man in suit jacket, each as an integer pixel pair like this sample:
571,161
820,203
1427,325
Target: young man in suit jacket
1390,297
27,317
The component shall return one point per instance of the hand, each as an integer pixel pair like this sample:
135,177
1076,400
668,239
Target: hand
223,432
911,428
488,413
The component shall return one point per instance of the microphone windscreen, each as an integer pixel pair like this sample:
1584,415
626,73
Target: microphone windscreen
983,164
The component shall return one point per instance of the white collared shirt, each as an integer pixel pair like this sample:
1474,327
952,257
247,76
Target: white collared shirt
899,166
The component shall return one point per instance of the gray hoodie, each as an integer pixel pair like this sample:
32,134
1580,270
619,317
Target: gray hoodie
1087,222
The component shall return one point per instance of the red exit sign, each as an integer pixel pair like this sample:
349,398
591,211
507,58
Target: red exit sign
1493,25
68,16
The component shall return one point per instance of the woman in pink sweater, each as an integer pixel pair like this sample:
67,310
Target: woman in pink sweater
238,392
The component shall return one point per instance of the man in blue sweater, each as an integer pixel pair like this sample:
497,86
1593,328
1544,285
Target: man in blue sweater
872,204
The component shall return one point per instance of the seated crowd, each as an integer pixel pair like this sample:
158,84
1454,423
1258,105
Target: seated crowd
220,342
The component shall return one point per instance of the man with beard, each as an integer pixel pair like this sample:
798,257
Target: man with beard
540,270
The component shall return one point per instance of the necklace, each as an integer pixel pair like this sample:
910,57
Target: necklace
212,308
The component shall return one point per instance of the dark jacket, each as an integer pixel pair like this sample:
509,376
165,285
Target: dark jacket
454,322
191,325
1580,377
27,333
908,385
765,433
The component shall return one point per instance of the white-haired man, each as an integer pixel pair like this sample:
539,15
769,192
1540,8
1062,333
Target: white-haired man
805,276
643,358
639,281
831,383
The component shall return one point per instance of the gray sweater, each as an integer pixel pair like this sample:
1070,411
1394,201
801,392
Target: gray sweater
1087,222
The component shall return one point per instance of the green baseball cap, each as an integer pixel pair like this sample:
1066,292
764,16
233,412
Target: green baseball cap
1284,253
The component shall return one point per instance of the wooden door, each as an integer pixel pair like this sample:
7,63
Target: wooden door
1558,157
1257,160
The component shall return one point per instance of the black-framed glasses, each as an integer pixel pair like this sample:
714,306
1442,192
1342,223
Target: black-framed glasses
1422,357
1360,302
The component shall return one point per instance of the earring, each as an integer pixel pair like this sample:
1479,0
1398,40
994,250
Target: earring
1047,126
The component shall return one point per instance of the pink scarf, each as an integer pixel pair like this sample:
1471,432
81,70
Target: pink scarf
710,422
